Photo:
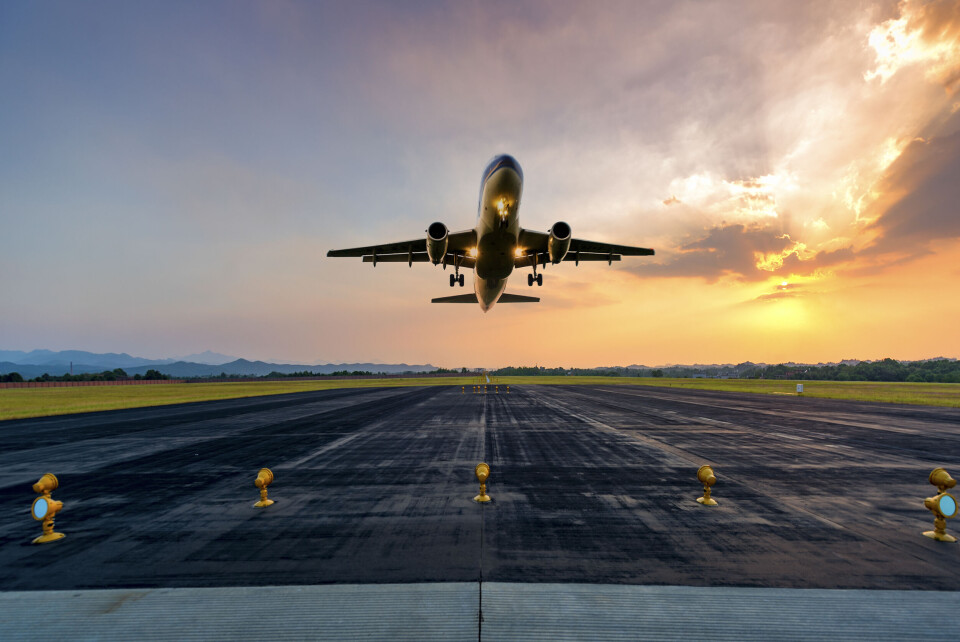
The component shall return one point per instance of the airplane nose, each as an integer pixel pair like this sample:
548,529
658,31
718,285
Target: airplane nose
510,162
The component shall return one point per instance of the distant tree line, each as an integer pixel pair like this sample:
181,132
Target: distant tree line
348,373
540,371
932,371
308,373
117,374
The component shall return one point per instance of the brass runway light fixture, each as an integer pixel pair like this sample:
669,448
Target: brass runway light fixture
264,479
482,471
45,508
943,505
708,479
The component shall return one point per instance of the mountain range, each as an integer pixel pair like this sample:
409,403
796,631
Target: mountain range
206,364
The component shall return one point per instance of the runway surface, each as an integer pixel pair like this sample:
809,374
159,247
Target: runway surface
591,484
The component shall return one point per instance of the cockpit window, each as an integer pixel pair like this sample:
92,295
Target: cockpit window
503,160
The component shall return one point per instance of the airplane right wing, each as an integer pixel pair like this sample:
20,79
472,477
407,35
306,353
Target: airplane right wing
534,245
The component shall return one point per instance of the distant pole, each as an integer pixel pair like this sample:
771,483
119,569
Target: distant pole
71,368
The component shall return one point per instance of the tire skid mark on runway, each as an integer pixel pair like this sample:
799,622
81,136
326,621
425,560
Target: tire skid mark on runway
923,455
914,549
51,431
794,413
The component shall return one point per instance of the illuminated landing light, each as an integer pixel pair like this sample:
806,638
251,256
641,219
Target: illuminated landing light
943,505
503,209
783,284
45,508
482,471
708,479
264,479
518,252
472,252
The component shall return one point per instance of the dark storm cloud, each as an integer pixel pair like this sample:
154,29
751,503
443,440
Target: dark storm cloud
725,250
921,197
735,250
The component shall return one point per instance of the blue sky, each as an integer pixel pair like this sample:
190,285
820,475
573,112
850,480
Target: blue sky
174,173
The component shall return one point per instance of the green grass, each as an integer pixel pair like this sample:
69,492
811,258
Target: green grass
925,394
21,403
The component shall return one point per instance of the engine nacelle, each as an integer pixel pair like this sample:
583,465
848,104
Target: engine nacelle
437,242
559,241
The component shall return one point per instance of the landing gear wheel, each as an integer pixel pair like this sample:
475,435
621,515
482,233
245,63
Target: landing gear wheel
539,279
530,280
452,279
461,280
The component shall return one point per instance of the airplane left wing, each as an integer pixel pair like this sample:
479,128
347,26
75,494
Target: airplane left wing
403,247
415,251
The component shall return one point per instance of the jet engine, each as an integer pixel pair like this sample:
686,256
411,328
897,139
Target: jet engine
559,241
437,241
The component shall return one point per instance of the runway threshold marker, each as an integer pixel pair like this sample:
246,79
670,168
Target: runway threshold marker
943,505
264,479
708,479
45,508
482,471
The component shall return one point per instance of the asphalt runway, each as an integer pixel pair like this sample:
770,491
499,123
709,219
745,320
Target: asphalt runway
591,484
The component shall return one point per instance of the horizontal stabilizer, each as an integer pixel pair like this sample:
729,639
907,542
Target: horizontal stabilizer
517,298
458,298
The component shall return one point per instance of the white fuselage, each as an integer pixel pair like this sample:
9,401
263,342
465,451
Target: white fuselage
498,228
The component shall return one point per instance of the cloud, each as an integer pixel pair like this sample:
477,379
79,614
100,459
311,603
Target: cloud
746,252
926,33
919,197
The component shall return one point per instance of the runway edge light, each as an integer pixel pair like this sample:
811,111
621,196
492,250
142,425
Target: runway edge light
482,471
708,479
943,505
45,508
264,479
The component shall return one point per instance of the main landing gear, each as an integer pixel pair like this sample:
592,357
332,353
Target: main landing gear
456,277
535,277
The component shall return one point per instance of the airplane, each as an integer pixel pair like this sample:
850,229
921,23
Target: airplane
496,246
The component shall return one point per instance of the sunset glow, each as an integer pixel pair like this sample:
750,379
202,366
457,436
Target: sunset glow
171,180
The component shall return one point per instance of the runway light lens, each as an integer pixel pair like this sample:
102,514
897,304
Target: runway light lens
40,508
947,506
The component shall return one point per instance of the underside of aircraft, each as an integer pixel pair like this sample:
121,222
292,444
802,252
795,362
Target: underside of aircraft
496,246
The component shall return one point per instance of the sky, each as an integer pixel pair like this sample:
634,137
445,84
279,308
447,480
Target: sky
173,173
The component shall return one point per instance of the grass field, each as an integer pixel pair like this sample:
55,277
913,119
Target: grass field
21,403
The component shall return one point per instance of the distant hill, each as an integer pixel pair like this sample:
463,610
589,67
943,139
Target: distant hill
36,363
98,361
242,367
207,357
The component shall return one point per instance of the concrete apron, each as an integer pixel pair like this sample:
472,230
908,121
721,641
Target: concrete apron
453,611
